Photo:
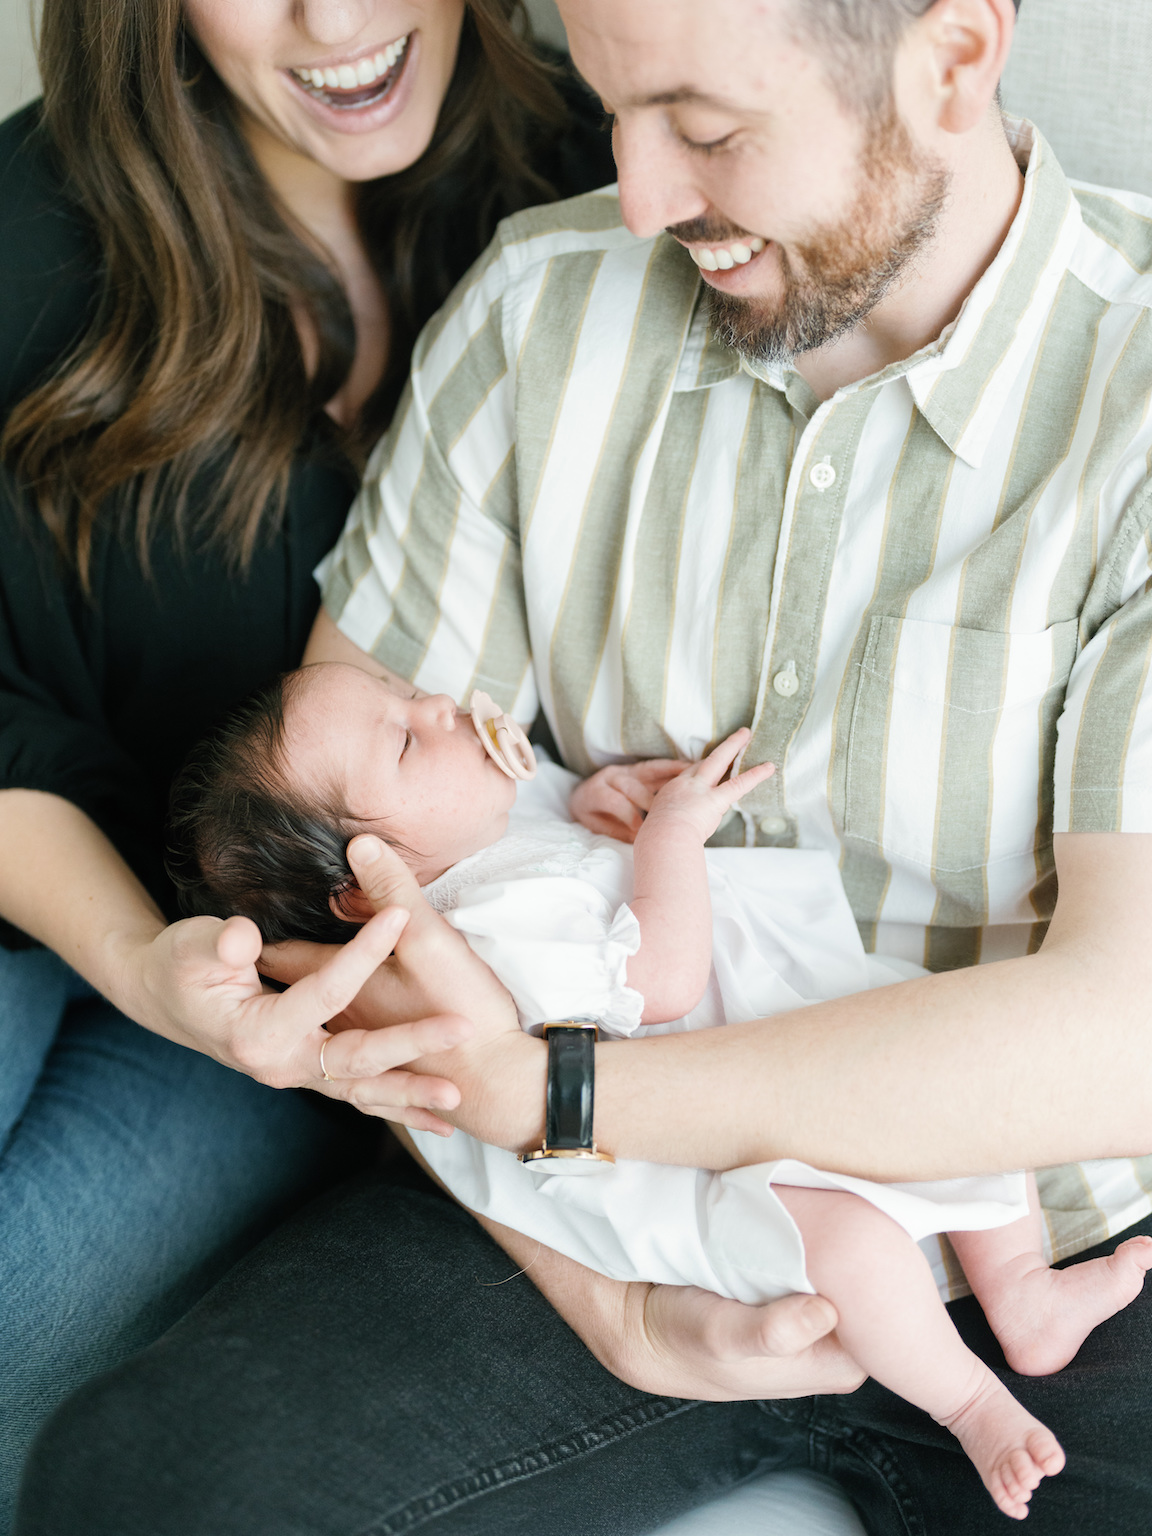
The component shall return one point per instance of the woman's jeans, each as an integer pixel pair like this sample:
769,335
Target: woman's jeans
133,1172
376,1368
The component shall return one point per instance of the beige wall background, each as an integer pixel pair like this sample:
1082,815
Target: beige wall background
1080,69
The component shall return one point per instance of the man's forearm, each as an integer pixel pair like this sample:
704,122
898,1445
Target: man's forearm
326,643
1020,1064
1004,1066
678,1340
594,1307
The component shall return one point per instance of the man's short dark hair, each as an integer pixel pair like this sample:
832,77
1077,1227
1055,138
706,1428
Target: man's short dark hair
857,40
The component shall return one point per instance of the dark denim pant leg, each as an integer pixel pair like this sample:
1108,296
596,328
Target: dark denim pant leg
372,1368
908,1477
365,1373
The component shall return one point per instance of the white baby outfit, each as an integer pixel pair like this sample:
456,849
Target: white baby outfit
547,908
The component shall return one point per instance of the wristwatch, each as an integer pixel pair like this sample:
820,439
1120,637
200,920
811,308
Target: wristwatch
568,1145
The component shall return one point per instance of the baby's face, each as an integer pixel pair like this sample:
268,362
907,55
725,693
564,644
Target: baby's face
415,766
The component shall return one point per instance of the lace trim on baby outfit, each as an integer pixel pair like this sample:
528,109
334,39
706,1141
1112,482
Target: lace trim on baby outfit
530,846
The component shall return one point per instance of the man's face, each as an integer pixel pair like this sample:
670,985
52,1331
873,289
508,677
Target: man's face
800,211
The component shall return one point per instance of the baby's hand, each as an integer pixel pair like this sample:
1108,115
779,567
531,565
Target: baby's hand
697,798
615,801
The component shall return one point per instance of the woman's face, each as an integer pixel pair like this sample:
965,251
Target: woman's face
354,85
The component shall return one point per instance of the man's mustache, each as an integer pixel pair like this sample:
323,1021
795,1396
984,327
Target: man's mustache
708,230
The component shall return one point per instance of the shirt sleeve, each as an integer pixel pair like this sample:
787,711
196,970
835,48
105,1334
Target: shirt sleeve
1103,769
557,945
426,576
51,736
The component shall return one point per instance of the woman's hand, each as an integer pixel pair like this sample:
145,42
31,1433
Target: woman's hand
431,972
197,983
683,1342
615,801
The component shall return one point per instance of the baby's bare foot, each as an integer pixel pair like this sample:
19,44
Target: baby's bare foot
1042,1316
1010,1449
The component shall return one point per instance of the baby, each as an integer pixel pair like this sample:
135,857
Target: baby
662,935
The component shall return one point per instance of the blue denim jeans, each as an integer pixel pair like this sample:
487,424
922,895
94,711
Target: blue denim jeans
376,1368
133,1173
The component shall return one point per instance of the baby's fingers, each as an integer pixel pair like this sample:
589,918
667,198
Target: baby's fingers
657,771
713,768
614,805
733,789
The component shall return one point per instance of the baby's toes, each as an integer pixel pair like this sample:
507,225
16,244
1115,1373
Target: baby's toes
1006,1502
1137,1250
1046,1451
1021,1474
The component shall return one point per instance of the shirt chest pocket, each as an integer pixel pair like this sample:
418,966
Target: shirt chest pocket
951,741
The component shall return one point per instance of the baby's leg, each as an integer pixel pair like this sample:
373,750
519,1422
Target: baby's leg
894,1325
1041,1316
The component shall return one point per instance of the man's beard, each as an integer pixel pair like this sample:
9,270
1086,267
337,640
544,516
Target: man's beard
839,276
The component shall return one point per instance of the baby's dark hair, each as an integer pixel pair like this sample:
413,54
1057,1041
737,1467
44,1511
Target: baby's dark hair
243,839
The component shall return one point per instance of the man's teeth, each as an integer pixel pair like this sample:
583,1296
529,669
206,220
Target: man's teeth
354,77
722,258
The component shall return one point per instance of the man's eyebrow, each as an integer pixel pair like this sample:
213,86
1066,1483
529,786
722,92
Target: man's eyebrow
682,94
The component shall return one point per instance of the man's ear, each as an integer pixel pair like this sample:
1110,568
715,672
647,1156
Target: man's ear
351,905
969,41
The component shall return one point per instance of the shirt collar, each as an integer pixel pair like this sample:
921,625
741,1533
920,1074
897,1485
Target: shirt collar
960,381
962,385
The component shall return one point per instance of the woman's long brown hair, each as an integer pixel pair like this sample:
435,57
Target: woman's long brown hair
191,372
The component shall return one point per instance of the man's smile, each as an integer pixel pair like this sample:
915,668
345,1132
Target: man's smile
722,258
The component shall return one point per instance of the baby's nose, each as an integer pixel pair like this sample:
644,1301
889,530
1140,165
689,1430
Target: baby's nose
444,710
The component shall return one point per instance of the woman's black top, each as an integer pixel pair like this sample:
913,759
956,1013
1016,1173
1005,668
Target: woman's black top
102,695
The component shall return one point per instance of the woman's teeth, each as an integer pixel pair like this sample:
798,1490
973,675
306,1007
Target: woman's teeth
722,258
354,77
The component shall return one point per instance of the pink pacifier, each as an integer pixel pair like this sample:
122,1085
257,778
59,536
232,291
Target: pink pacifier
504,741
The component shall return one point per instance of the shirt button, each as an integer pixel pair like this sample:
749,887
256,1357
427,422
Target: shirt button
822,475
772,826
786,683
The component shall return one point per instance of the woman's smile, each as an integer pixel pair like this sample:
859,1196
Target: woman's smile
355,89
343,84
348,91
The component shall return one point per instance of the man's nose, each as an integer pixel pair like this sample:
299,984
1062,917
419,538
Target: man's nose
656,185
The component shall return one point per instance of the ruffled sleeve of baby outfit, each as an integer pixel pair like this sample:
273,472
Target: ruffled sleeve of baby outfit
559,946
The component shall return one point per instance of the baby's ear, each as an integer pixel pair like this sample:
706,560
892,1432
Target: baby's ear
351,905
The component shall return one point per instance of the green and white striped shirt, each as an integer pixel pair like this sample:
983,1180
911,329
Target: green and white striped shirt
930,596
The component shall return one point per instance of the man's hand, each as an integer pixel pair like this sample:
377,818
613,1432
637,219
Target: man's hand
678,1341
614,802
684,1342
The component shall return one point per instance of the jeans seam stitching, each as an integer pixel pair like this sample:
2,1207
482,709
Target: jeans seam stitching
874,1451
514,1469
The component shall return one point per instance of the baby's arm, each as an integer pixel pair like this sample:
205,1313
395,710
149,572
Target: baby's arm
671,902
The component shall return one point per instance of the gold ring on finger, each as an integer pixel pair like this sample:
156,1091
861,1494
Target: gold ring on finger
325,1043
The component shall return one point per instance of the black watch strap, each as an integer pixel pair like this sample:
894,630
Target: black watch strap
569,1101
570,1094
